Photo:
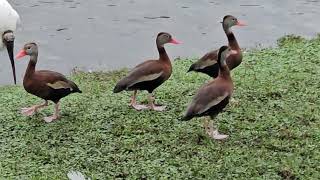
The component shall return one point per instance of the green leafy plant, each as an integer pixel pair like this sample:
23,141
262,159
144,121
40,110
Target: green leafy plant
274,125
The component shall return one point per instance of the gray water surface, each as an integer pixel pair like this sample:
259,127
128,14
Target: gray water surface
109,34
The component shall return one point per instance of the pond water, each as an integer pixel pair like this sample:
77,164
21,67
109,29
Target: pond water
110,34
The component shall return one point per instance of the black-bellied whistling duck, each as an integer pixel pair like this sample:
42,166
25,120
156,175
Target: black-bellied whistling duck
149,75
208,63
213,97
48,85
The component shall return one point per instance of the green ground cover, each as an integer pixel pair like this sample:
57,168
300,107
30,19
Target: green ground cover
274,126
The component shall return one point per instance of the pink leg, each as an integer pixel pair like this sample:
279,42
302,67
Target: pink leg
55,116
134,104
153,106
214,133
206,126
234,101
33,109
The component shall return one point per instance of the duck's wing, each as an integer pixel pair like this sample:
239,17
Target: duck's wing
208,97
56,80
209,59
147,71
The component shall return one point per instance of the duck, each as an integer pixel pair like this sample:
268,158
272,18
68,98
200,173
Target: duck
149,75
45,84
9,21
208,63
213,97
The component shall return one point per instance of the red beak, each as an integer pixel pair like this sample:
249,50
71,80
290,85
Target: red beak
21,54
240,23
173,41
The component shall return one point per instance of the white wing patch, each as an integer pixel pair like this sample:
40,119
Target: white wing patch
60,85
213,103
149,77
207,63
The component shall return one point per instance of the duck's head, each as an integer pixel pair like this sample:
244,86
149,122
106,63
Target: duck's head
8,41
224,53
164,38
229,21
29,49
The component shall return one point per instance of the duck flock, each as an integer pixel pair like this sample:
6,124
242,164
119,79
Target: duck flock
208,102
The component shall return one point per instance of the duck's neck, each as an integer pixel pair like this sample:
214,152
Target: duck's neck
163,56
31,66
231,38
224,71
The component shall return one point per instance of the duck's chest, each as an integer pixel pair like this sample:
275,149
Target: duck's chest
167,71
234,60
35,86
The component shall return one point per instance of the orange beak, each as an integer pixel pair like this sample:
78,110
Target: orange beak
240,23
173,41
21,53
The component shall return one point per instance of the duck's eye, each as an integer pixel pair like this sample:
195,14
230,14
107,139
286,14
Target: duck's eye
233,19
29,48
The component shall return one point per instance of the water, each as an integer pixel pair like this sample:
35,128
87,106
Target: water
109,34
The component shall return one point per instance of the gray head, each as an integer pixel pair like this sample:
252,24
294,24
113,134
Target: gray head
229,21
164,38
30,49
223,54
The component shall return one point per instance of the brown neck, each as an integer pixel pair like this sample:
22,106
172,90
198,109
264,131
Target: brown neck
163,56
31,66
231,38
224,71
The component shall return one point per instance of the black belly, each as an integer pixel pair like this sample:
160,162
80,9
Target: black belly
56,94
148,85
212,71
49,93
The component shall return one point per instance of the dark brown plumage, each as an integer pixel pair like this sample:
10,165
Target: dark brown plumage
208,63
214,96
47,85
149,75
